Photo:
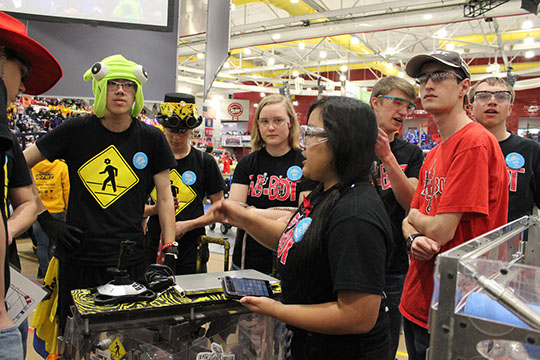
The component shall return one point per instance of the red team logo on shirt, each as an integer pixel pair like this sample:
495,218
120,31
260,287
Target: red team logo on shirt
513,177
383,181
275,187
286,241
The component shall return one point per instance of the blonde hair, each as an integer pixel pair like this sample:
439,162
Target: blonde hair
387,84
257,141
492,81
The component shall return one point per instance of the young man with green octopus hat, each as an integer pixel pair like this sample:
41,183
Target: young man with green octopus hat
113,160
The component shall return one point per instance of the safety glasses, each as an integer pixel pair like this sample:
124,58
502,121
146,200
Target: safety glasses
311,136
437,77
400,102
483,97
277,122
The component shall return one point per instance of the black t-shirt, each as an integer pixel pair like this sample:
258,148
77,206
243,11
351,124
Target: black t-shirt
410,159
269,186
111,176
5,134
356,244
202,175
18,175
5,144
523,163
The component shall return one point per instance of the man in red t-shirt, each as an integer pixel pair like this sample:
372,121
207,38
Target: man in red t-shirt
462,191
227,162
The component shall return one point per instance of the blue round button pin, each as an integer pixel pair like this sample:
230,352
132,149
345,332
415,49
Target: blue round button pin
189,178
515,160
140,160
300,229
294,173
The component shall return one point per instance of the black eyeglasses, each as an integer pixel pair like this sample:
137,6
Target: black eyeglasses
128,86
437,77
500,96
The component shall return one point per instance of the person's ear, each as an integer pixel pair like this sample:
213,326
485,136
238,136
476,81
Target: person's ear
375,103
510,109
465,86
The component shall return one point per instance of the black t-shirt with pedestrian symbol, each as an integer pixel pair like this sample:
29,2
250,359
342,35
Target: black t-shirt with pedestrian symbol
194,176
111,176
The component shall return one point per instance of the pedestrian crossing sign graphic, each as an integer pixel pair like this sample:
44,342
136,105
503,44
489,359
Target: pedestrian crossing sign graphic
117,349
184,193
107,176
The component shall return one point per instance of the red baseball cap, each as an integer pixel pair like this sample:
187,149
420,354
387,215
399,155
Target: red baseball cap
45,71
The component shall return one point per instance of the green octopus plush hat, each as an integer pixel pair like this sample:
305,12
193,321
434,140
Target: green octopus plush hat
115,67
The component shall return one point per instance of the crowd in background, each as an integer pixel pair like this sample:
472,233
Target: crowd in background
40,115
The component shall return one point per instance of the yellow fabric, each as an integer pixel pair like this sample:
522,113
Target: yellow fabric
45,321
52,181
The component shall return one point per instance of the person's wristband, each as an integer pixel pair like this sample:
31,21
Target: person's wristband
241,203
168,245
410,240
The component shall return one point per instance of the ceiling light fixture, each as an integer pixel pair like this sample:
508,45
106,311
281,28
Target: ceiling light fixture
344,68
527,24
528,40
295,103
442,33
271,61
295,73
390,51
276,36
427,16
529,54
401,74
294,1
263,94
255,105
247,51
355,40
342,78
450,46
322,54
200,56
494,68
301,45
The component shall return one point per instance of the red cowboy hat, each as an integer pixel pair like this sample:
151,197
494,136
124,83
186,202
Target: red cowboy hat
45,71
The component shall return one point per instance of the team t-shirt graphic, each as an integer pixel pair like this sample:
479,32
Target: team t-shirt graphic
107,176
432,186
183,192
